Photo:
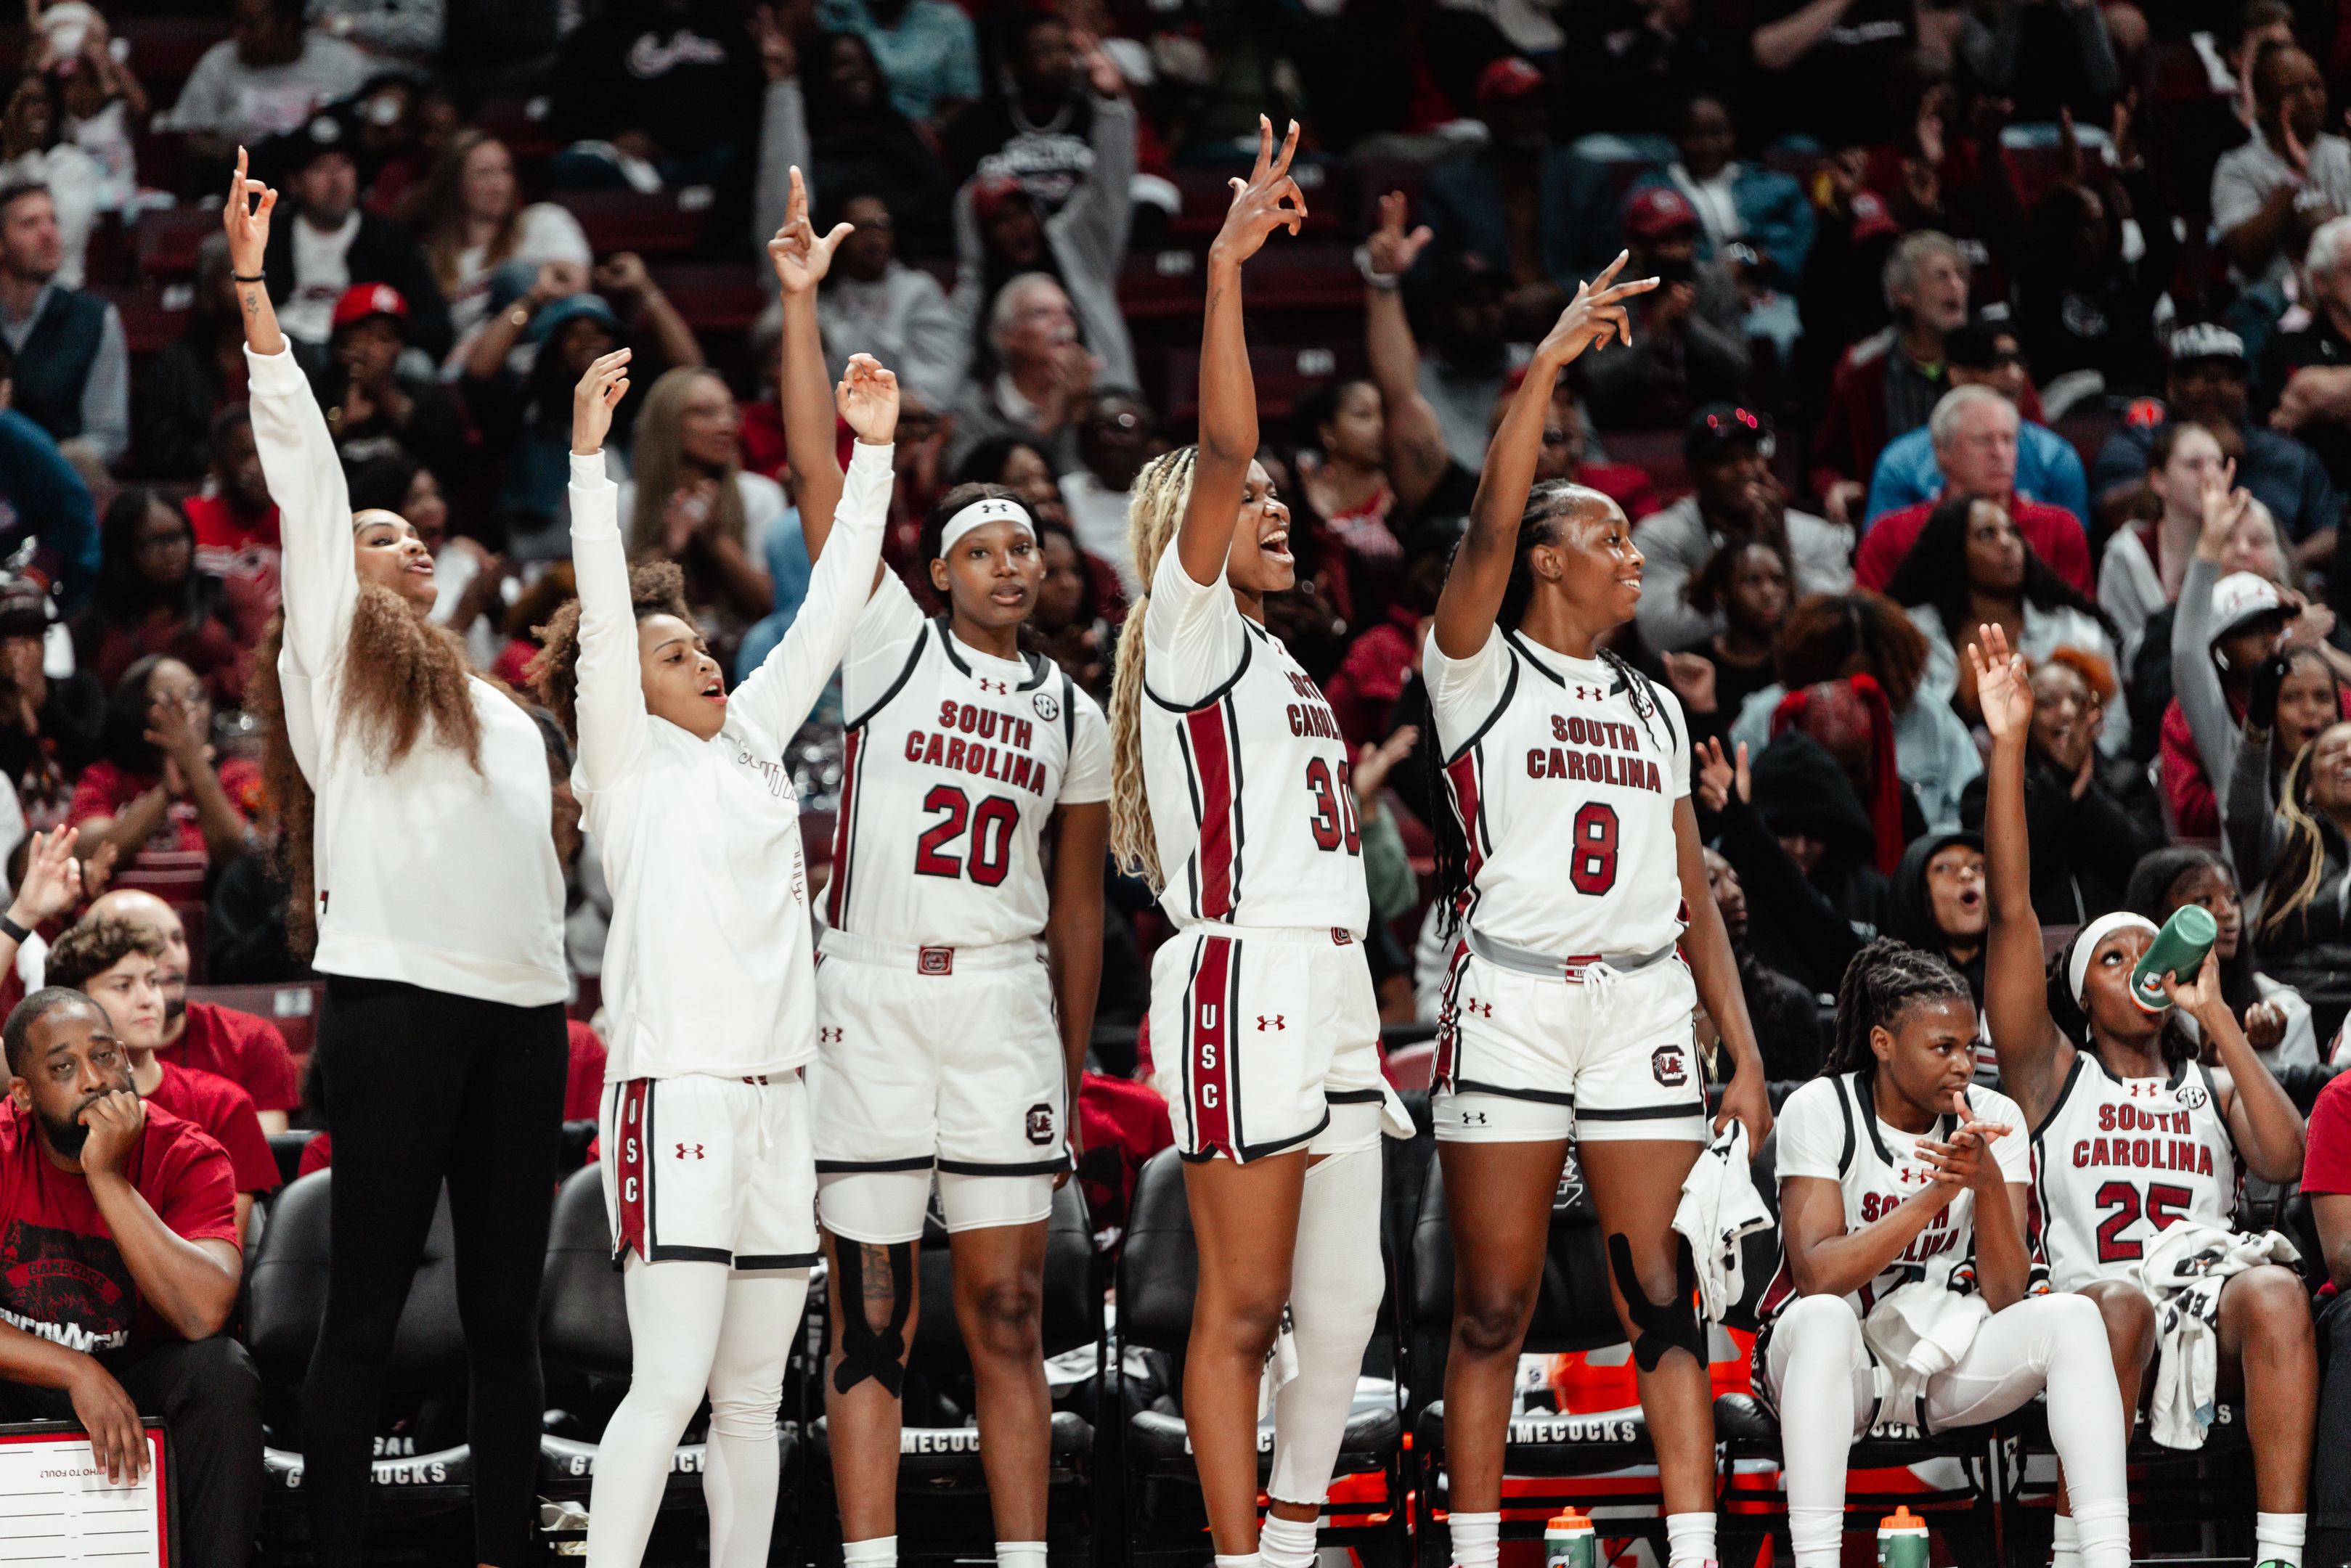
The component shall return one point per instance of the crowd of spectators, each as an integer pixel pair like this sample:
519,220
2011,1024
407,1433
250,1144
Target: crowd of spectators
2035,316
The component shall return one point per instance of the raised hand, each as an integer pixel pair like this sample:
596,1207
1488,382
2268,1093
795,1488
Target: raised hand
1374,763
52,881
2002,689
1693,681
1595,314
801,258
2224,509
624,274
1392,250
1101,72
867,398
178,729
599,391
246,217
2200,996
1258,201
777,57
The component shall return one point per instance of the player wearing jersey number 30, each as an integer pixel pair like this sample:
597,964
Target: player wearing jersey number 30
1232,796
957,971
2083,1059
1567,1010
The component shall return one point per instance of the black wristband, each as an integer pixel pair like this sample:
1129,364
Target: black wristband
14,932
240,277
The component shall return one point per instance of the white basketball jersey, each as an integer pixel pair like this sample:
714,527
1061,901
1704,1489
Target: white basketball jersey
2118,1160
1880,1169
1250,802
1564,779
947,780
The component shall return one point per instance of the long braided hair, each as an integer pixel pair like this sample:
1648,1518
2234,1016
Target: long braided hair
1550,506
1886,979
1161,492
2301,870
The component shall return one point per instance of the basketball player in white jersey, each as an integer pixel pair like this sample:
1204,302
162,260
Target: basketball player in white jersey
957,981
1896,1174
1585,929
709,1170
2133,1135
1232,796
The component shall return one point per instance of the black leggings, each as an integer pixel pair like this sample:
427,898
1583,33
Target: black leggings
422,1086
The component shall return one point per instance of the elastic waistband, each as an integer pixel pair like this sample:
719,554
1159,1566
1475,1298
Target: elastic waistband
1318,935
873,950
1526,961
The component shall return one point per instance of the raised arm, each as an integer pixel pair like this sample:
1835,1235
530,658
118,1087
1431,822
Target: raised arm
2193,679
784,143
306,474
1413,441
2016,1002
782,689
1094,219
1481,570
1228,392
609,704
801,259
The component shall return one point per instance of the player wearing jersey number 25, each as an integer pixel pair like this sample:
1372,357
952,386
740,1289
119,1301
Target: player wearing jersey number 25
1582,1000
2110,1053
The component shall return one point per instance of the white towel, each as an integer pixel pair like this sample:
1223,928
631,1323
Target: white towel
1915,1331
1719,1204
2184,1272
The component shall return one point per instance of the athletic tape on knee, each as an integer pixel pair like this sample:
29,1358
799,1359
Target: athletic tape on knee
1663,1325
864,1353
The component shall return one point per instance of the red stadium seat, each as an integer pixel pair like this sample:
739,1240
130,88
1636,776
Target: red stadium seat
1155,285
712,297
663,224
1283,376
1207,198
293,1007
1304,275
165,242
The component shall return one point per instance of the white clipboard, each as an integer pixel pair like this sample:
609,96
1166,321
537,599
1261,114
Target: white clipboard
57,1508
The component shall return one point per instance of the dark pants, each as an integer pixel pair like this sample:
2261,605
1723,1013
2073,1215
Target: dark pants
423,1086
209,1397
2329,1542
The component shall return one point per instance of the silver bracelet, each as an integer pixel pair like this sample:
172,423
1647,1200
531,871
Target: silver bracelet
1386,282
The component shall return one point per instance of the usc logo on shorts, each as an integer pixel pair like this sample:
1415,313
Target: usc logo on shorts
1667,1065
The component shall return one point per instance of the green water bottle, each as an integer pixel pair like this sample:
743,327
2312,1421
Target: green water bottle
1568,1541
1902,1540
2178,950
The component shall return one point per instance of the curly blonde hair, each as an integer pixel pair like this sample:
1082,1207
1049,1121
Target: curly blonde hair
657,588
1161,493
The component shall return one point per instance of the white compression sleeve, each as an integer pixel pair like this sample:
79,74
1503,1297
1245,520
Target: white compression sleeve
746,1387
676,1310
1334,1300
1826,1394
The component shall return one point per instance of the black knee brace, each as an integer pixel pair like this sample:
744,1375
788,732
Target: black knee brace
866,1352
1663,1325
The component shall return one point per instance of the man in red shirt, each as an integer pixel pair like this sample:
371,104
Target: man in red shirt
113,962
243,1048
237,526
119,1268
1974,431
2326,1181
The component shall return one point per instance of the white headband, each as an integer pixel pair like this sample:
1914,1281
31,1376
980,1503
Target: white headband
2077,969
994,509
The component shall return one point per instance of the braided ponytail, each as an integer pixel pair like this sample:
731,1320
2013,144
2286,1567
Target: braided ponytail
1161,493
1885,980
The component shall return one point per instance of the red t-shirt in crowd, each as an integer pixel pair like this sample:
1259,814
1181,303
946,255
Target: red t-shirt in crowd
225,1112
61,1275
583,1094
2326,1149
217,525
2055,533
1123,1123
243,1048
170,863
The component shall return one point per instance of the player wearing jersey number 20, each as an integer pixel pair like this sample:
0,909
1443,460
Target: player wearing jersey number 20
1568,1006
2072,1043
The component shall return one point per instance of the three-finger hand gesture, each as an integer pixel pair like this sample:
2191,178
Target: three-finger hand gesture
2002,689
801,257
52,880
1594,315
867,398
1268,200
1392,250
599,391
246,217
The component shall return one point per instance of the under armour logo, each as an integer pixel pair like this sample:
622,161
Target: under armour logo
999,687
1277,1021
827,1037
1589,693
697,1152
1477,1008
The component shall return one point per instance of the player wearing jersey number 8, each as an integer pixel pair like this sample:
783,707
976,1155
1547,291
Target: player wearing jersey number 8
1568,1004
2079,1055
1232,796
956,989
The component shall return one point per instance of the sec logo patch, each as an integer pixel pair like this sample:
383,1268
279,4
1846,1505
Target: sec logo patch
1048,706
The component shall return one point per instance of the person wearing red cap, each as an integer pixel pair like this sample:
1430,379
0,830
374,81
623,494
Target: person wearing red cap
1688,346
373,409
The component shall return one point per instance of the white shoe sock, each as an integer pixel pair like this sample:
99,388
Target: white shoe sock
1476,1538
1020,1554
2065,1546
1285,1543
1691,1540
1240,1560
2277,1537
882,1551
2104,1530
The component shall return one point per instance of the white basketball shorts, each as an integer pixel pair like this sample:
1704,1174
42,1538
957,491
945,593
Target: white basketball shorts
704,1169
